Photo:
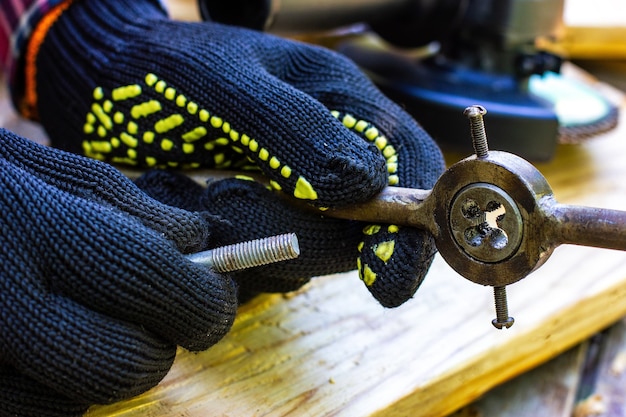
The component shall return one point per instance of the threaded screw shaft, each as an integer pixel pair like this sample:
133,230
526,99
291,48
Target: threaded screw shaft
249,254
502,319
477,129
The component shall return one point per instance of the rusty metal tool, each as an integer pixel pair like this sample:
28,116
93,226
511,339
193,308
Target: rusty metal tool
493,216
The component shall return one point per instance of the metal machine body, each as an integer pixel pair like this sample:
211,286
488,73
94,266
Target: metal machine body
484,51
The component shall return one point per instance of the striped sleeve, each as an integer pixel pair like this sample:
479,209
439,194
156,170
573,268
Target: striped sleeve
17,19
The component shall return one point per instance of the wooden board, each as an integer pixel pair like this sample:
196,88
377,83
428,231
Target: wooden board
549,390
331,350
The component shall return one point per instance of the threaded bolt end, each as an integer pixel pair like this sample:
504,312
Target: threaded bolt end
249,254
502,319
477,129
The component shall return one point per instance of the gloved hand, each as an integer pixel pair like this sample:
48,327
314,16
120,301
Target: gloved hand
94,291
122,82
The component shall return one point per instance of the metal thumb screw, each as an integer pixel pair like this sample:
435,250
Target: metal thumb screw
249,254
477,129
502,319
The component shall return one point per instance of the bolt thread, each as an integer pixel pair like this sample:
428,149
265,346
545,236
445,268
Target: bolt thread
477,130
502,307
250,254
479,138
502,319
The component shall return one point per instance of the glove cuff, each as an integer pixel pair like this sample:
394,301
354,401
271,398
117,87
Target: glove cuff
27,102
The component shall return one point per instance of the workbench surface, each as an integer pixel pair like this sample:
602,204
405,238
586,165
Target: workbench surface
330,349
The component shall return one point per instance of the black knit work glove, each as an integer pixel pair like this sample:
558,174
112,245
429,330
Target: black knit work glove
120,81
94,291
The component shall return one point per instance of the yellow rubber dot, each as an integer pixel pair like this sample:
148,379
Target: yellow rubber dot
285,171
101,146
234,135
145,109
102,132
118,118
192,108
88,129
216,122
304,190
148,137
170,93
349,121
181,101
253,145
264,154
151,161
107,106
226,127
219,158
132,154
87,147
392,168
91,118
371,229
245,140
361,125
274,163
132,128
126,92
160,87
237,149
151,79
188,148
371,133
124,160
169,123
222,141
193,135
204,115
360,247
381,142
167,145
275,185
384,250
129,140
394,180
389,151
368,276
115,142
335,113
393,228
98,93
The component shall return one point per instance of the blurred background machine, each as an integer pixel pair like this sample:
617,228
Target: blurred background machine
436,57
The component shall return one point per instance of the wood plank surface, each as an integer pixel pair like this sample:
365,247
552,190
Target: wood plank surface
330,349
549,390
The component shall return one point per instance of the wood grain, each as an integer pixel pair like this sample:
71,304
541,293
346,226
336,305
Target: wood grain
549,390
